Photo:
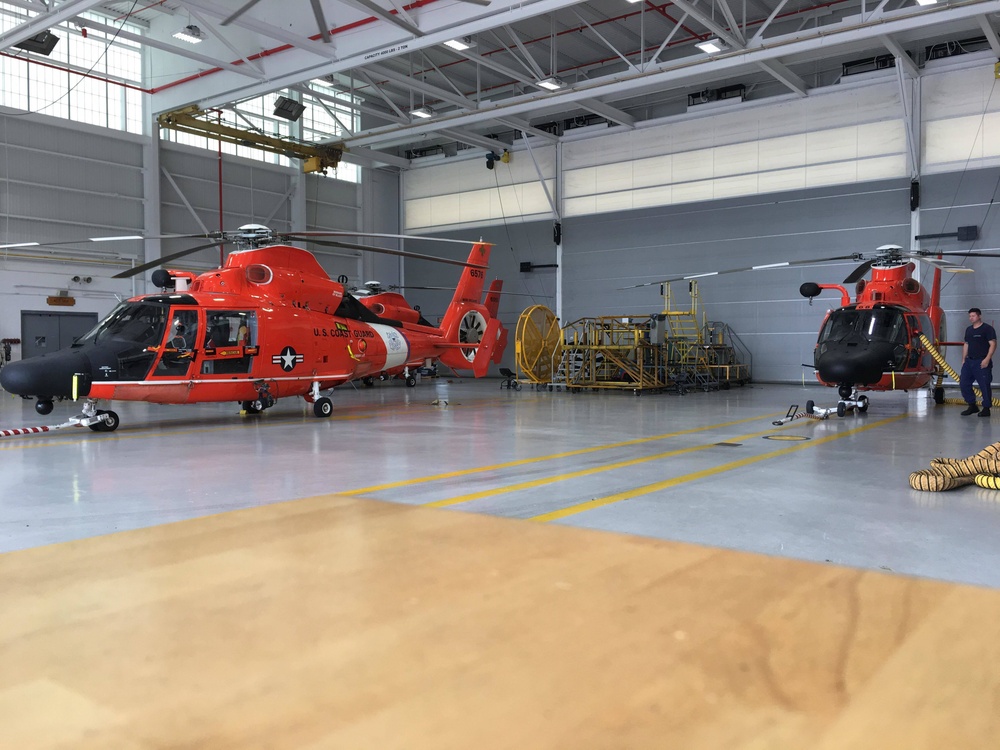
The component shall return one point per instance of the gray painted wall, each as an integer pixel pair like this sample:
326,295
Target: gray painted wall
764,308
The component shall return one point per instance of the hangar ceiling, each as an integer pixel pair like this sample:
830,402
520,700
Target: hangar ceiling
539,68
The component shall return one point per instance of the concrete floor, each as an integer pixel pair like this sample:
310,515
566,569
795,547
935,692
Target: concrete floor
701,468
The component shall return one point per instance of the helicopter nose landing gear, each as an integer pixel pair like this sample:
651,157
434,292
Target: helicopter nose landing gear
852,402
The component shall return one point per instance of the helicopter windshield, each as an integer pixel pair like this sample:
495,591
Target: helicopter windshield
140,322
886,324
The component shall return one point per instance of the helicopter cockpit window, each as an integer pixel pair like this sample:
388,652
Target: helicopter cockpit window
141,323
884,324
180,342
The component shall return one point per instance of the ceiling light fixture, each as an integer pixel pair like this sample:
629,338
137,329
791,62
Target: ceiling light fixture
190,34
926,2
460,44
42,44
422,112
710,46
288,109
551,83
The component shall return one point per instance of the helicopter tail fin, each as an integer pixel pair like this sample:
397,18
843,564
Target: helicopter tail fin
472,322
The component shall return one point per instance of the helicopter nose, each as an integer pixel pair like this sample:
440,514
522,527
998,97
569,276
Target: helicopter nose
854,364
50,375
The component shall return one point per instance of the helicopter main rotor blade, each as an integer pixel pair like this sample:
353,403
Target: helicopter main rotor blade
164,260
341,233
961,254
859,273
452,289
387,251
768,266
944,265
122,238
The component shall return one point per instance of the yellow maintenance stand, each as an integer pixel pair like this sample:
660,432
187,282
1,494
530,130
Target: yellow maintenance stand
667,350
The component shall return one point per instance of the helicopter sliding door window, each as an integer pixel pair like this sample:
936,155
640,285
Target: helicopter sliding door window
178,350
230,341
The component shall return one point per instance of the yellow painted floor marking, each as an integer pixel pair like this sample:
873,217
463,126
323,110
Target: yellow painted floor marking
657,486
550,457
588,472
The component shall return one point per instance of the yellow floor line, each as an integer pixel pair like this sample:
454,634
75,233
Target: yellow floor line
657,486
588,472
550,457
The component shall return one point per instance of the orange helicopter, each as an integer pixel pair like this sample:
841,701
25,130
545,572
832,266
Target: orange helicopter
873,343
268,324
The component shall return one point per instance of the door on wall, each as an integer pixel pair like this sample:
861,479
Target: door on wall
44,332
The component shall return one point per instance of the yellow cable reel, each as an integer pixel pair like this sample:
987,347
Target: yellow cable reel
538,344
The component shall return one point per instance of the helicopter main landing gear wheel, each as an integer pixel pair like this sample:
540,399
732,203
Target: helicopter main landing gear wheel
411,380
109,423
251,407
323,407
43,406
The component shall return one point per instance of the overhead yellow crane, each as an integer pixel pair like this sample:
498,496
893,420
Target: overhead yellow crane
315,158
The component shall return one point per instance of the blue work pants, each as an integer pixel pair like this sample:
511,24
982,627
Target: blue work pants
973,373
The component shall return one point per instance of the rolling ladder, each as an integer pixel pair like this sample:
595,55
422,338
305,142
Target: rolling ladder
688,357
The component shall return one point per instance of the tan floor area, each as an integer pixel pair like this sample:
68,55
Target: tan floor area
337,622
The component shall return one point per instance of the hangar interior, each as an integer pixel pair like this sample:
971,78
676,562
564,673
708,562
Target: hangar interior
600,146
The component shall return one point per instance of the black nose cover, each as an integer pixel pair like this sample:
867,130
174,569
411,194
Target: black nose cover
49,375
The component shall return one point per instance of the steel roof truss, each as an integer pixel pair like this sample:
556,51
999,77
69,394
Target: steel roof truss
659,50
731,20
252,72
386,15
733,40
424,88
44,21
991,35
524,51
363,75
903,60
324,28
609,44
608,112
472,139
759,36
217,33
787,77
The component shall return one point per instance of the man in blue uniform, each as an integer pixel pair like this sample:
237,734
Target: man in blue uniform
977,362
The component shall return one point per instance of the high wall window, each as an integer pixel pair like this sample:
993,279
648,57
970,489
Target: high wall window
89,79
323,120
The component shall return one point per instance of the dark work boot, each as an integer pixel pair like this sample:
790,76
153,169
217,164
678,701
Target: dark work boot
971,410
985,412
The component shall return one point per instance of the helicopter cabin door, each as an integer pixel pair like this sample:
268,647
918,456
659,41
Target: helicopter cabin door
230,342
